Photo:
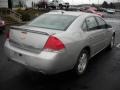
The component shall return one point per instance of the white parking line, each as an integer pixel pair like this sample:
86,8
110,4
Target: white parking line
118,45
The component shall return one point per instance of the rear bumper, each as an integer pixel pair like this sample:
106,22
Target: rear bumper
45,62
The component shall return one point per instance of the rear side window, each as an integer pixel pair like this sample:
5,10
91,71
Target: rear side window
84,26
91,23
101,22
53,21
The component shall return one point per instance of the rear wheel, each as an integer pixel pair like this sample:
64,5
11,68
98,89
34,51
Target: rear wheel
81,64
112,43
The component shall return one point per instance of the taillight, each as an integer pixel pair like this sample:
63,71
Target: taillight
54,44
7,34
3,22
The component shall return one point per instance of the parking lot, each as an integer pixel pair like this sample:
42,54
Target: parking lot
103,72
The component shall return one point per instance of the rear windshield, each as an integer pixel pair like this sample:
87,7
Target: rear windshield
53,21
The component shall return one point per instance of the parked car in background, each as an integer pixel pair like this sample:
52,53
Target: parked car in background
58,5
59,41
110,11
83,9
2,25
95,12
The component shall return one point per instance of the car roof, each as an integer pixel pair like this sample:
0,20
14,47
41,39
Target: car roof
73,13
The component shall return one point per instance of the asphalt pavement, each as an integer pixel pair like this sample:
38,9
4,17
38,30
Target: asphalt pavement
103,72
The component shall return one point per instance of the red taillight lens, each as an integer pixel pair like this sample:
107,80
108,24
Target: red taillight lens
54,43
2,23
7,34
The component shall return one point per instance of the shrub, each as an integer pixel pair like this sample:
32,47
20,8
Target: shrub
25,16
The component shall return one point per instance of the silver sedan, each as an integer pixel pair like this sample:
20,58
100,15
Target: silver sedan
58,41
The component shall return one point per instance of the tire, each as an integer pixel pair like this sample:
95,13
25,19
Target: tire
112,43
82,62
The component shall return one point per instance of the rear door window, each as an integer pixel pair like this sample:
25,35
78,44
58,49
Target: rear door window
91,23
101,22
84,26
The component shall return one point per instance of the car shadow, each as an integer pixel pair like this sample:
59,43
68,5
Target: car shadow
62,81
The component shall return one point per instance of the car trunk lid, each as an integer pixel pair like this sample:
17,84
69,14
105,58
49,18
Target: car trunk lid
31,37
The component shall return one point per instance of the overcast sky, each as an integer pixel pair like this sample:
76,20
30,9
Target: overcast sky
76,2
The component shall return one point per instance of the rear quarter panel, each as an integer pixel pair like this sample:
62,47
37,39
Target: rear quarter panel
74,41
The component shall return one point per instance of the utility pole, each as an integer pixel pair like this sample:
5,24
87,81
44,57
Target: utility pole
89,2
114,4
10,4
118,4
72,1
26,3
98,2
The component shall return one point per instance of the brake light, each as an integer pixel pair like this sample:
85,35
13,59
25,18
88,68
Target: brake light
7,34
54,44
3,22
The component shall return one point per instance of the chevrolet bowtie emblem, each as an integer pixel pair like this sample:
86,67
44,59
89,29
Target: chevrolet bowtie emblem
23,35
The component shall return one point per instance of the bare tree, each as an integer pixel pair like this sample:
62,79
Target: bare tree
20,4
42,4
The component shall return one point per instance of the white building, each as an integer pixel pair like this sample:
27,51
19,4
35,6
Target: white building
15,3
3,3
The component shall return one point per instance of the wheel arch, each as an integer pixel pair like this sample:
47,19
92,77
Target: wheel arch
88,49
